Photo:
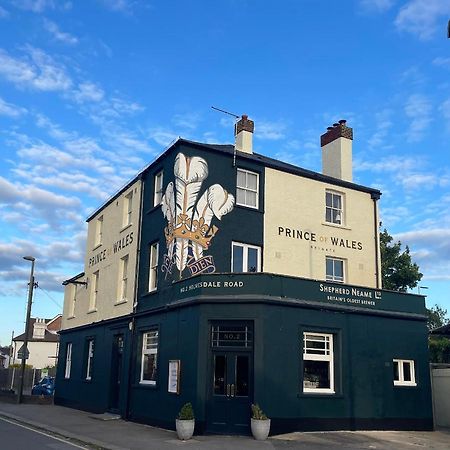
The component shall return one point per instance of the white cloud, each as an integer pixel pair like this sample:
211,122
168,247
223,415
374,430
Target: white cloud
189,121
10,110
161,136
59,35
377,5
396,164
418,109
88,92
272,131
3,13
421,17
442,62
383,124
445,110
36,6
37,70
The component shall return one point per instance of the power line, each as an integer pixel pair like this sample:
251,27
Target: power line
50,297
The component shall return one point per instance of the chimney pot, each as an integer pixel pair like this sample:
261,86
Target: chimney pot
329,128
335,124
342,121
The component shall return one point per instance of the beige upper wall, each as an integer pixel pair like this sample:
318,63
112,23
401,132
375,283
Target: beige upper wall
296,203
118,239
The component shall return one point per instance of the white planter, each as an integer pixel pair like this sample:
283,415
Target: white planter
260,429
185,429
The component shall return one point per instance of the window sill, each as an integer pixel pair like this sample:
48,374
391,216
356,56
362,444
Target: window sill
336,225
94,310
407,385
125,227
96,246
145,385
121,302
240,205
319,395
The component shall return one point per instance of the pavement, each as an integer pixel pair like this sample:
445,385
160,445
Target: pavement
96,432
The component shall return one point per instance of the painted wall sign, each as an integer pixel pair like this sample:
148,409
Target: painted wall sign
350,295
118,245
213,285
190,231
314,237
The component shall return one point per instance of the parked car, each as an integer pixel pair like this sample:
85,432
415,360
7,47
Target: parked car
45,387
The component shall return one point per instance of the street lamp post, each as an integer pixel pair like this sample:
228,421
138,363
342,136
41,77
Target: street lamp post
27,328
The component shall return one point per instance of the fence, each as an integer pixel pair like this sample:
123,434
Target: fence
10,378
440,376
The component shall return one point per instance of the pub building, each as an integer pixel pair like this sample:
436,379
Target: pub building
222,277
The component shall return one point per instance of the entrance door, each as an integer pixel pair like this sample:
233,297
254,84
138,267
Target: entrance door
116,372
231,380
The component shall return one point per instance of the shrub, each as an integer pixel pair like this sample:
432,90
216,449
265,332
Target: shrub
186,412
257,412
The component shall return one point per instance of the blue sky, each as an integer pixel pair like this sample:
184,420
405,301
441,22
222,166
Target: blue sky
92,91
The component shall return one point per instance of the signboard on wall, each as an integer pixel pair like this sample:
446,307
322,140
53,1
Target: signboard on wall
174,376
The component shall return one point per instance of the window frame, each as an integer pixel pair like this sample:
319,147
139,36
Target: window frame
123,282
94,291
149,351
98,240
128,209
401,374
332,208
90,358
246,188
330,358
153,267
68,363
158,183
245,248
333,278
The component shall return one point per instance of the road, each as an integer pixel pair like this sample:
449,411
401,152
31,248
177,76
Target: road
14,436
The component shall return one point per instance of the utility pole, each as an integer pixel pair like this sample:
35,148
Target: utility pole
27,328
11,350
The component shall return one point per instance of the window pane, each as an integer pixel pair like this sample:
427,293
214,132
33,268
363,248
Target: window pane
252,260
240,178
251,198
240,196
149,367
330,272
252,181
238,258
328,215
337,201
396,371
316,374
406,371
241,376
328,199
337,216
220,370
339,269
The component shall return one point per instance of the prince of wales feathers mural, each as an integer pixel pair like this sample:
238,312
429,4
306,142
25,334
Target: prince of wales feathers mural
189,231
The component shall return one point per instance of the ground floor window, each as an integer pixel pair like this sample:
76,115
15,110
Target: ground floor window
149,357
404,373
318,363
68,360
90,359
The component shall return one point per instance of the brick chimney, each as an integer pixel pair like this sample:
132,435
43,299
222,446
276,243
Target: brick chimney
243,133
336,146
39,329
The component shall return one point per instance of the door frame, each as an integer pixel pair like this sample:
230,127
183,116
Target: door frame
229,427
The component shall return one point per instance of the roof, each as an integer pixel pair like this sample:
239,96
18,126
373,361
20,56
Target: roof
442,331
255,157
49,336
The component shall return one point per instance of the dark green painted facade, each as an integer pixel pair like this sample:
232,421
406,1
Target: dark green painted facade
370,328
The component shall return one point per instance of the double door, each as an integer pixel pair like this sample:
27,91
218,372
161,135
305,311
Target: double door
230,390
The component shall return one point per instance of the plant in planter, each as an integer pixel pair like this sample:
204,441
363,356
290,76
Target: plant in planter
260,424
185,422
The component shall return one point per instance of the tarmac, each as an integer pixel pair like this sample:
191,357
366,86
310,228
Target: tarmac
107,432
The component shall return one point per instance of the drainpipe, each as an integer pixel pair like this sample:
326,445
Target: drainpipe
376,196
135,297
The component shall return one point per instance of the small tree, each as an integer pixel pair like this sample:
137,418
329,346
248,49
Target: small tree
437,317
398,272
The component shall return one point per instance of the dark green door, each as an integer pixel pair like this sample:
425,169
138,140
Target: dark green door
231,380
116,372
